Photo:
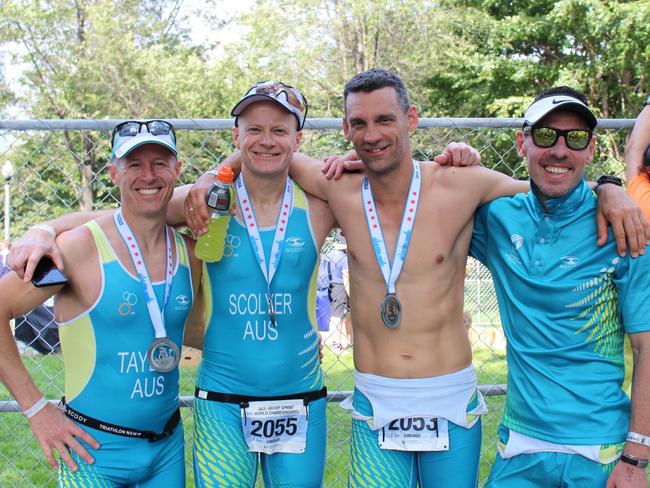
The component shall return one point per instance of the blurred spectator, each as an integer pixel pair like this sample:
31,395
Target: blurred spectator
323,294
336,264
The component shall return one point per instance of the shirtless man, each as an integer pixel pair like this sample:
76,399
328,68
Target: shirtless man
116,392
415,361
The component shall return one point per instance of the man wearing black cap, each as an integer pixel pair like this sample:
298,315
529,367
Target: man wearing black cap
122,312
566,305
260,396
637,160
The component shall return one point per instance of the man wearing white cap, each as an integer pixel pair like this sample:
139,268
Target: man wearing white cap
122,313
566,305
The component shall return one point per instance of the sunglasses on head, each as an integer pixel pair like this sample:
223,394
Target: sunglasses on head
276,89
132,128
576,139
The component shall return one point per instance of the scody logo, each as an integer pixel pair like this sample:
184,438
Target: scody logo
568,262
294,244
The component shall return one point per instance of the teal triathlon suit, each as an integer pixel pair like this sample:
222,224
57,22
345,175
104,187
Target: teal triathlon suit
108,378
374,467
245,354
566,305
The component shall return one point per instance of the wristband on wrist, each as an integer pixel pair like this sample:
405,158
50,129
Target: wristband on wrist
634,461
608,179
34,409
47,228
638,438
212,172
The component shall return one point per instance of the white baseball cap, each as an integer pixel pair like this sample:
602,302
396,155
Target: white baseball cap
132,134
541,108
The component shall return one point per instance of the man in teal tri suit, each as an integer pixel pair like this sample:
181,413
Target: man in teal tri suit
260,396
566,305
121,387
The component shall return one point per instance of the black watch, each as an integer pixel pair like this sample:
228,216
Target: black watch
639,463
608,179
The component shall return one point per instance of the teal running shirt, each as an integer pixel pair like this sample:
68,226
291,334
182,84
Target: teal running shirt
565,305
107,375
243,352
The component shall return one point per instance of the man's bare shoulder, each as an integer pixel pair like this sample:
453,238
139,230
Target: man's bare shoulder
76,244
348,182
321,217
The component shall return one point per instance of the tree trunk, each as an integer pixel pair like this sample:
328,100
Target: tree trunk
86,170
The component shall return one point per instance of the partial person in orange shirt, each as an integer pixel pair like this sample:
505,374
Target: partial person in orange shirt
637,160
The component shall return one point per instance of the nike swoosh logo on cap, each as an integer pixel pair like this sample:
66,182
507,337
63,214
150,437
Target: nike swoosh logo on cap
556,101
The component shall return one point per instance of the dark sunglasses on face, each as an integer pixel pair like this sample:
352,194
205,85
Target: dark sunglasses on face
276,88
576,139
132,128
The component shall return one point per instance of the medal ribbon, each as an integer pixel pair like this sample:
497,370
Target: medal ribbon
252,228
391,273
155,313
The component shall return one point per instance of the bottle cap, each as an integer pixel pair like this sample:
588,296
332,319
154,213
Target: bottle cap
225,174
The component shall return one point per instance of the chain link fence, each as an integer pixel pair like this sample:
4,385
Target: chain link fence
51,167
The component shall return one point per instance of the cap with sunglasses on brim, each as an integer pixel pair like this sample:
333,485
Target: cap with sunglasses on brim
132,134
541,108
288,97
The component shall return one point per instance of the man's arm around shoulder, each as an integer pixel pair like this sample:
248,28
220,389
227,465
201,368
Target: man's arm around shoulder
482,183
38,241
51,428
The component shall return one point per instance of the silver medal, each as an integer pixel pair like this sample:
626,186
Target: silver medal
391,311
163,354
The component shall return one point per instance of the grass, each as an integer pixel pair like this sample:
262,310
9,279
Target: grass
22,463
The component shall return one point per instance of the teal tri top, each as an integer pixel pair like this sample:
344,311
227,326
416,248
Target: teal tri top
565,305
107,375
243,352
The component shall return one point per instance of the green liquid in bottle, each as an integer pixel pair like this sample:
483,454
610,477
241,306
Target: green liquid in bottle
210,246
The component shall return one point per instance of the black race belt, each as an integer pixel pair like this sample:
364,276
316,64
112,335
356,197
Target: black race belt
244,400
120,430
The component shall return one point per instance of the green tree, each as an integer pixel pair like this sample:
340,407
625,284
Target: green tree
96,59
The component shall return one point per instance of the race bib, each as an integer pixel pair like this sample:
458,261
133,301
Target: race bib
275,426
415,434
